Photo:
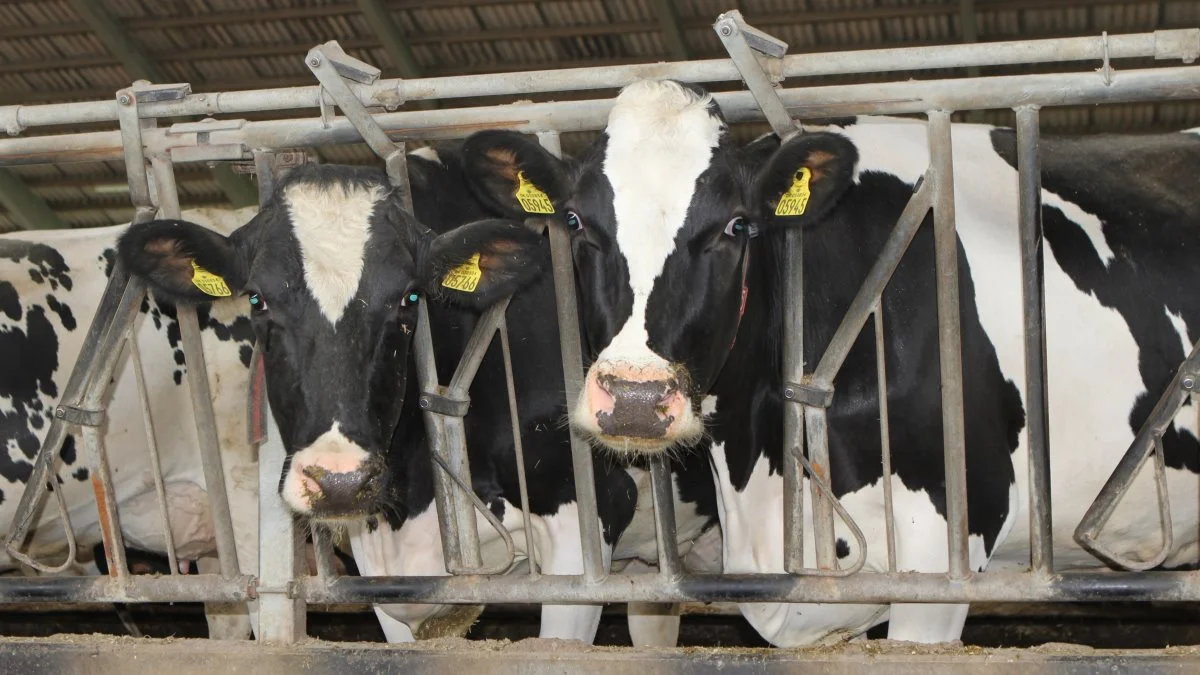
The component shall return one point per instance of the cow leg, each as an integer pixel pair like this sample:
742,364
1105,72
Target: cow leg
562,553
653,624
927,623
226,620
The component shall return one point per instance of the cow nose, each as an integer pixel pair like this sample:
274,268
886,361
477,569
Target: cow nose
342,493
637,408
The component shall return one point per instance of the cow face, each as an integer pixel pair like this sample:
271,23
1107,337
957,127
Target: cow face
333,269
664,215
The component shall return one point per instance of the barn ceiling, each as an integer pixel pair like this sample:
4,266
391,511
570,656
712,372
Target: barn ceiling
71,50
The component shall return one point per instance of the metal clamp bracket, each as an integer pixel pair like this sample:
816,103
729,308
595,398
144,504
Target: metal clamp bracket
144,92
10,120
808,394
81,416
444,405
743,42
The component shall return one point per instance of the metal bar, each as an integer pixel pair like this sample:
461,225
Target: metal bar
816,427
477,346
1186,381
876,280
134,588
885,437
1157,84
26,207
197,377
1033,287
663,495
443,487
793,415
571,348
160,489
1171,44
732,31
949,341
106,503
281,616
874,588
519,450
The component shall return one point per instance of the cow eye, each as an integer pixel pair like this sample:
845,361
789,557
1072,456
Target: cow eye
258,303
574,222
410,298
736,227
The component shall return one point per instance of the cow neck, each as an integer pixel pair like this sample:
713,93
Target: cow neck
754,357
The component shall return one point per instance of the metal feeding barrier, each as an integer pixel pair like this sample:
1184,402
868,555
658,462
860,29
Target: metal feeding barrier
759,60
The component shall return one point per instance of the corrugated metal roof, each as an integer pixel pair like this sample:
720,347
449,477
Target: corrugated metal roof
49,54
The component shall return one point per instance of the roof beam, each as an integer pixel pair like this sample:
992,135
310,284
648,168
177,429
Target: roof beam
29,210
237,188
397,48
672,29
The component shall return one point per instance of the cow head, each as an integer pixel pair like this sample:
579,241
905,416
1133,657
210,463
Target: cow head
666,219
333,270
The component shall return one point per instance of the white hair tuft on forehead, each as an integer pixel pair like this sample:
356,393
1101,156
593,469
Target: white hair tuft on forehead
661,137
332,223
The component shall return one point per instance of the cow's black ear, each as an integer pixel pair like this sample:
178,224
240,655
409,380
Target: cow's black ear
513,174
182,261
804,178
481,262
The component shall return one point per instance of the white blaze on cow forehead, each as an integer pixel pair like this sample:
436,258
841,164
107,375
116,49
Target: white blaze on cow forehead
661,137
332,223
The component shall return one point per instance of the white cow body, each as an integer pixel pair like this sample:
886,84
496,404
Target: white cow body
125,437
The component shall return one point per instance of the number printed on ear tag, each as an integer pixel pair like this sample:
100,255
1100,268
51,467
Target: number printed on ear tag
209,283
532,199
795,200
465,277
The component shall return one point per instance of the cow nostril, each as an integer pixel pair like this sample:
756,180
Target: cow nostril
339,491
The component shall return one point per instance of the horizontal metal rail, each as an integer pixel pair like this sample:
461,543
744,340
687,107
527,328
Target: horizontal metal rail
171,588
1182,44
862,588
187,143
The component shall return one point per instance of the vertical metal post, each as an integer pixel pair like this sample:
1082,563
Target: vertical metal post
514,419
949,342
571,345
816,422
160,489
197,377
793,414
1041,530
885,437
282,614
663,495
443,485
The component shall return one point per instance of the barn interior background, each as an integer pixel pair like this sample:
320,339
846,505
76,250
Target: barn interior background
75,50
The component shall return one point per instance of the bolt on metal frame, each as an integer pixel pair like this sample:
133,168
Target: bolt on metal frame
756,58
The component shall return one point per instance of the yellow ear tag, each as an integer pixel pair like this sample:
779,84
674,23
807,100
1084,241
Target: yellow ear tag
532,199
209,282
465,277
795,200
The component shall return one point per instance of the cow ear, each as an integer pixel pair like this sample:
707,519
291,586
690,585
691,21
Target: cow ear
182,261
481,262
804,178
513,174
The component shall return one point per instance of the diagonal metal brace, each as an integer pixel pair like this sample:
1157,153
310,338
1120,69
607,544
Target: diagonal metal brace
742,41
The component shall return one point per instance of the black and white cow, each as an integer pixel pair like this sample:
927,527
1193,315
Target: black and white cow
679,261
50,286
334,269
